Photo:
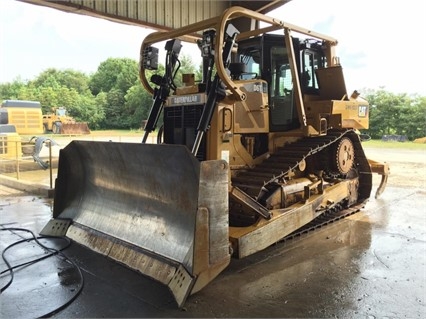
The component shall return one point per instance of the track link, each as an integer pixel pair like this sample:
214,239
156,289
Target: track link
285,164
279,165
324,219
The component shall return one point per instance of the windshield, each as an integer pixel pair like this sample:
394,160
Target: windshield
61,112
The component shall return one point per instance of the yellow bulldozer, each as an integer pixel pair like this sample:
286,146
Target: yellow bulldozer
59,122
266,145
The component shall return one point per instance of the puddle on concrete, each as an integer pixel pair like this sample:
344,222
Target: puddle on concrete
37,289
370,265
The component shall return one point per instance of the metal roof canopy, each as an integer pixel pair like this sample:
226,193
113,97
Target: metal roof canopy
161,15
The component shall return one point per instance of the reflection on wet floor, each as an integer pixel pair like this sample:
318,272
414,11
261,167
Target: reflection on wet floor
369,265
321,267
38,274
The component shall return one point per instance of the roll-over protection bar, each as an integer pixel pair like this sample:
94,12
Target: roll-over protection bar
191,33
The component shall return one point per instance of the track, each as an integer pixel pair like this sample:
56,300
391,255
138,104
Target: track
324,219
306,155
281,163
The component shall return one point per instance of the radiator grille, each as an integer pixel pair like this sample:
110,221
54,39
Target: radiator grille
180,126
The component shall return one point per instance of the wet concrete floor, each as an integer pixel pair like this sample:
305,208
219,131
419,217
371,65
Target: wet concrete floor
370,265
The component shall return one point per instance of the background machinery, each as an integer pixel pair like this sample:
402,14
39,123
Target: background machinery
266,144
10,142
18,117
26,116
59,122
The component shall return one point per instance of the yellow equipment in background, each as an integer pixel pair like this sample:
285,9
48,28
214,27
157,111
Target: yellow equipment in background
10,142
26,116
59,122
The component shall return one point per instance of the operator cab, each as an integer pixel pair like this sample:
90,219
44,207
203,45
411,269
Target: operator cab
266,58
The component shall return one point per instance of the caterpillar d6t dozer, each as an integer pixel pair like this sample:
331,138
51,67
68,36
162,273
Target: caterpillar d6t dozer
265,144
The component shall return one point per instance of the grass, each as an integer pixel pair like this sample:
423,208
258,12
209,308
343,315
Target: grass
102,133
117,132
394,145
366,144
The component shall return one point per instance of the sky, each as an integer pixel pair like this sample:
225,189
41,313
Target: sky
381,42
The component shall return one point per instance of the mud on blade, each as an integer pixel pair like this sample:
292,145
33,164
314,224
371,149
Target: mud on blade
154,208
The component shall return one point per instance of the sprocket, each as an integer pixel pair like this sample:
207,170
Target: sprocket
345,156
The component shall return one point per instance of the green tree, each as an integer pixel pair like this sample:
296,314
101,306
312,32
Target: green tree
68,78
48,97
28,93
101,103
10,90
114,73
88,110
398,114
114,110
111,81
137,105
412,121
71,89
54,88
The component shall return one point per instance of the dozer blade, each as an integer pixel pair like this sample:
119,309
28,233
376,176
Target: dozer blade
154,208
75,128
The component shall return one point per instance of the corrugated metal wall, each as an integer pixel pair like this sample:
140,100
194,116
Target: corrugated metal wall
169,13
155,14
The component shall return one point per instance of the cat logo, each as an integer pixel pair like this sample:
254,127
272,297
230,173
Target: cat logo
362,110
